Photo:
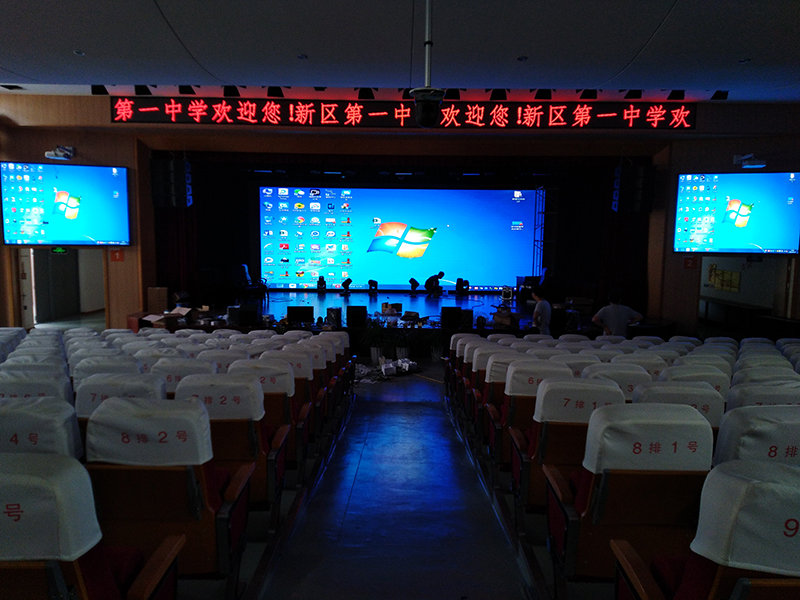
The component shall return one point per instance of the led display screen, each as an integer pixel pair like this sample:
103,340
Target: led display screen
64,205
738,213
392,235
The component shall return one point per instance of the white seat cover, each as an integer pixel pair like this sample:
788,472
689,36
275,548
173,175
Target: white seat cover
518,345
457,336
152,432
104,364
574,347
682,348
605,355
621,347
133,346
536,337
224,333
756,340
123,339
44,351
480,360
150,356
576,362
43,425
743,517
186,333
698,394
494,337
85,353
634,343
698,372
766,433
30,364
219,343
461,342
173,369
651,363
48,508
30,384
100,387
653,339
316,353
331,349
505,341
298,333
783,342
610,339
275,375
497,366
721,339
574,400
549,343
627,375
573,337
720,362
225,396
201,338
650,437
338,340
545,353
223,358
261,334
524,376
764,394
762,360
300,361
342,335
667,355
190,349
471,346
106,333
764,374
684,338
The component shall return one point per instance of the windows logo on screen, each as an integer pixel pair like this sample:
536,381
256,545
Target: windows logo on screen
401,240
739,213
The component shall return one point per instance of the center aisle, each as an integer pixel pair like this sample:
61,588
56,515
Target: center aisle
399,511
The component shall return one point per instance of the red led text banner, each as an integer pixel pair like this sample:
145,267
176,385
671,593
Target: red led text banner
400,114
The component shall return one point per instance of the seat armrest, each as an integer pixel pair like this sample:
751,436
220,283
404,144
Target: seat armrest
558,483
636,573
240,479
519,443
279,440
158,565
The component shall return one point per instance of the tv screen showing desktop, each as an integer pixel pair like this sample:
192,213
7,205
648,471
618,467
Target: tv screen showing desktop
487,237
738,213
64,205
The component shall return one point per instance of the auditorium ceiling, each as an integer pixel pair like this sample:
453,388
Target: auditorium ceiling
697,50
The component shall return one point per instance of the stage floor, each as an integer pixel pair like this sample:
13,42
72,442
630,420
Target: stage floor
481,304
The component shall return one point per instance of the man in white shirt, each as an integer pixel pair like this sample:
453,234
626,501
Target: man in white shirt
615,318
542,312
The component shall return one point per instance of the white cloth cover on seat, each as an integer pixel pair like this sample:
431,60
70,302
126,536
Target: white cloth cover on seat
342,335
298,333
275,375
750,361
84,353
43,368
536,337
457,336
461,341
764,374
316,353
698,394
573,337
720,362
621,347
650,437
743,517
223,358
651,363
610,339
494,337
146,431
627,375
574,347
682,348
30,384
44,425
104,364
133,346
173,369
519,345
101,386
524,376
48,508
480,359
261,333
666,354
574,400
698,372
300,362
505,341
756,340
605,355
150,356
498,364
225,396
106,333
767,433
653,339
338,341
764,394
331,349
576,362
474,344
720,340
545,353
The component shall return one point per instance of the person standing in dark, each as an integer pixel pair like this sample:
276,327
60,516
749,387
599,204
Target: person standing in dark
542,312
615,318
432,285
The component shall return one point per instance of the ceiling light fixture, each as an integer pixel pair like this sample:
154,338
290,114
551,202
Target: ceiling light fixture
427,99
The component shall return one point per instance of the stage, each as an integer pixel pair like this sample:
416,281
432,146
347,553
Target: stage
482,305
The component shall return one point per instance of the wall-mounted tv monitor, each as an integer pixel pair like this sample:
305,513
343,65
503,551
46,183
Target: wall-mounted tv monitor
64,205
487,237
750,212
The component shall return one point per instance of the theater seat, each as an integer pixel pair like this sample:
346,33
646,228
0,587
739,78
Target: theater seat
764,394
152,475
697,394
241,434
52,545
744,547
41,425
626,375
640,480
174,369
767,433
557,433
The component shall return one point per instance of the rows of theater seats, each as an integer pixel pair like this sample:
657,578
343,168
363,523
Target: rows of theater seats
163,442
614,440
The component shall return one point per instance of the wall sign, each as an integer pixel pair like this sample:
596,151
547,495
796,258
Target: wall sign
563,116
